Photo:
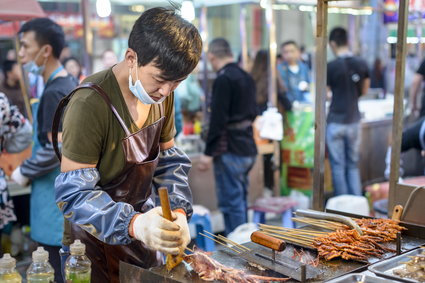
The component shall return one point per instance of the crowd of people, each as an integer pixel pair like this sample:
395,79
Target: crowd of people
86,186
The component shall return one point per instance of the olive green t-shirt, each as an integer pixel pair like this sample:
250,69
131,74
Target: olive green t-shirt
91,132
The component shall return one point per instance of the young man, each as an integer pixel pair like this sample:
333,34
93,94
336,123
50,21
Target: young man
10,86
42,41
417,110
294,73
348,79
118,145
230,143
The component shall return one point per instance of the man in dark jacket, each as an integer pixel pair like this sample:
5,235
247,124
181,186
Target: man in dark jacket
230,144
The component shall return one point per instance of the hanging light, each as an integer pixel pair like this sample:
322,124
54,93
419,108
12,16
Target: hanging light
188,11
103,8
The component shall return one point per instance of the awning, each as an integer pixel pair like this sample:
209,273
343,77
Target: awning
22,10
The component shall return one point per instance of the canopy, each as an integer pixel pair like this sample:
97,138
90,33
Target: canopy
22,10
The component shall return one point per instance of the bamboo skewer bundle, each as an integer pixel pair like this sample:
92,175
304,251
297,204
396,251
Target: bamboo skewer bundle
225,242
326,224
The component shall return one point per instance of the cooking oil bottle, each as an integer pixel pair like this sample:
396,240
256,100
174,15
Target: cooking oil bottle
8,273
78,266
40,270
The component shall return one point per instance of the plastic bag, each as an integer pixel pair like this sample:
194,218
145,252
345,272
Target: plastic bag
271,125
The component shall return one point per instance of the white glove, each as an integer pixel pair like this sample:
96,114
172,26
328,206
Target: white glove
184,229
157,233
19,178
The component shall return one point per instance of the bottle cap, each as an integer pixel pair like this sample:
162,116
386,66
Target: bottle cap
7,261
77,248
40,255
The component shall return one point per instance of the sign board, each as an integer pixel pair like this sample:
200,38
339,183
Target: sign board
416,8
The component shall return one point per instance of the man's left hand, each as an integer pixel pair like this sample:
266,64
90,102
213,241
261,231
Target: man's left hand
19,178
205,162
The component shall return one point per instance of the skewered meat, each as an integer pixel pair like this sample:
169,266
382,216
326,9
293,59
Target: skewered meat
348,244
209,269
414,268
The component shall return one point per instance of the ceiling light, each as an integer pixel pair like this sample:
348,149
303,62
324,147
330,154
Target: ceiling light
188,11
103,8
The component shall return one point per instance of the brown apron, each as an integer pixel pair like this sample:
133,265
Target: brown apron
133,186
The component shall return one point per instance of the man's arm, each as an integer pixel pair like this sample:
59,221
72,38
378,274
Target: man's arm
413,92
220,105
69,165
365,86
172,172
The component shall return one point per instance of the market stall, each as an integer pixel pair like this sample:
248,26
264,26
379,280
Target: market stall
334,245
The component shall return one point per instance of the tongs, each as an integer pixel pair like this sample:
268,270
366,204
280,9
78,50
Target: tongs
329,216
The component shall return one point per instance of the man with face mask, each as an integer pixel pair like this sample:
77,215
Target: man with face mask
42,41
118,149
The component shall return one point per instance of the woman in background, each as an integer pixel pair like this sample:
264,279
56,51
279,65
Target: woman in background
15,136
259,73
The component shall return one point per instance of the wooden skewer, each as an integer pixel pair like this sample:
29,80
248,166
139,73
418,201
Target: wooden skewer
321,223
224,245
303,237
234,243
294,236
227,241
263,226
291,239
288,229
295,232
325,226
189,249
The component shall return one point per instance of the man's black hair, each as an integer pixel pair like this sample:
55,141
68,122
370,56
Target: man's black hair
220,48
339,36
289,42
8,66
46,32
173,44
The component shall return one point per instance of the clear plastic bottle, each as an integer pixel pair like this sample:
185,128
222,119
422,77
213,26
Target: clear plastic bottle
8,273
78,266
40,270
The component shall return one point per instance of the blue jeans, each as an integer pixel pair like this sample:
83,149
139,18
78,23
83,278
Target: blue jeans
64,254
231,181
343,142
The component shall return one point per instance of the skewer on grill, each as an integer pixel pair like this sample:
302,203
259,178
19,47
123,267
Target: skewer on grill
221,243
228,241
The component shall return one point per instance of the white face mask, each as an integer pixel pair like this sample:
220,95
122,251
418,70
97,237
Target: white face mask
139,91
33,68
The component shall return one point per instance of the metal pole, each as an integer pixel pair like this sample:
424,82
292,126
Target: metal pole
271,26
398,100
419,27
87,36
244,42
320,102
203,27
23,82
270,20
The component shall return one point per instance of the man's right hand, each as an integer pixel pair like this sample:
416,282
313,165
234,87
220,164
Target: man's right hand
156,232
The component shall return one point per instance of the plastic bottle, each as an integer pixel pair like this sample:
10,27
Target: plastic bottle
40,270
77,266
8,273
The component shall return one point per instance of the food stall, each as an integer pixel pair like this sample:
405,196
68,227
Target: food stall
330,246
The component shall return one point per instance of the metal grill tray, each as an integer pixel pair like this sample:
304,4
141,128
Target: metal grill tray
385,268
357,277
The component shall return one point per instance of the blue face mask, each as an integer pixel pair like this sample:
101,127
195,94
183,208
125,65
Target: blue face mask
33,68
139,91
